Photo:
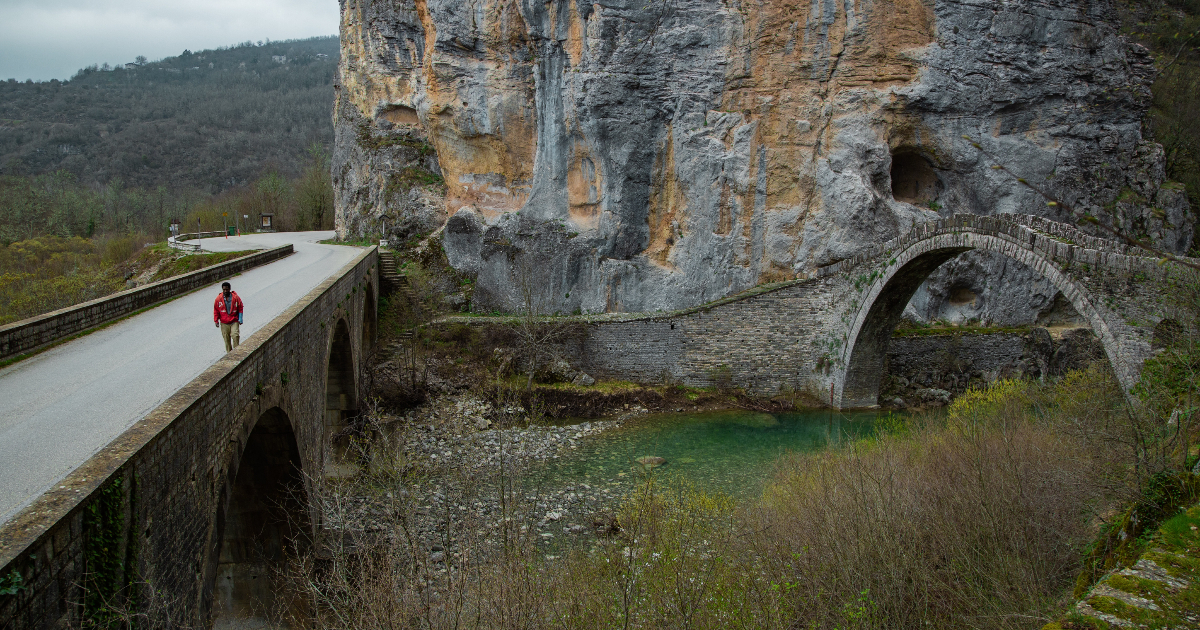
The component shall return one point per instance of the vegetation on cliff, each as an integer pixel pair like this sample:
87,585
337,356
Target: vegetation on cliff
1171,30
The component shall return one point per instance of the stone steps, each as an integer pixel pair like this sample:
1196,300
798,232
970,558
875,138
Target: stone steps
392,282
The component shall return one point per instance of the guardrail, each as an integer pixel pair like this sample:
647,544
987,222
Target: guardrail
31,334
177,242
192,235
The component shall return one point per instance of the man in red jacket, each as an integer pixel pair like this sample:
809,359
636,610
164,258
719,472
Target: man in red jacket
227,315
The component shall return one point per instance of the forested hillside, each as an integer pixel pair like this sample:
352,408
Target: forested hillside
206,136
205,121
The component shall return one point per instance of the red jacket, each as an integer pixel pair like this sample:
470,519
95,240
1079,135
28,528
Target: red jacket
219,314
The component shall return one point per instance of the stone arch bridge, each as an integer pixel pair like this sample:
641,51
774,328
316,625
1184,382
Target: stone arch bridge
828,335
182,514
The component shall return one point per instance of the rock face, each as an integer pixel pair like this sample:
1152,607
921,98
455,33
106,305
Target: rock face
929,369
634,156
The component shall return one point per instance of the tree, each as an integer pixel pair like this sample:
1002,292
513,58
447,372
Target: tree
538,336
315,191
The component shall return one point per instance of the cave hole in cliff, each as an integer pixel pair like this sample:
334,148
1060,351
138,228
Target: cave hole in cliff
262,520
914,180
340,404
400,115
962,296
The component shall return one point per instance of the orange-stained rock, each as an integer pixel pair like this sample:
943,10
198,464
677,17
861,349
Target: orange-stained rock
660,154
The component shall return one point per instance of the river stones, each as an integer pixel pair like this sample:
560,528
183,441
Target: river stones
650,461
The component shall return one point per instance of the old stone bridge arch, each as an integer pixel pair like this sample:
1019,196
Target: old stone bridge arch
826,335
904,264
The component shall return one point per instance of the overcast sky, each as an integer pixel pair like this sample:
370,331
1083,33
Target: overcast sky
52,39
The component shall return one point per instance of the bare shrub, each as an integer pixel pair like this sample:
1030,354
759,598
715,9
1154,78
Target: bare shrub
976,521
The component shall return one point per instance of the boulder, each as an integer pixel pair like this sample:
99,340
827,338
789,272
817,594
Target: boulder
650,461
934,396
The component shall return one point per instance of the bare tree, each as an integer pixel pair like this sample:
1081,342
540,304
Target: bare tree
538,336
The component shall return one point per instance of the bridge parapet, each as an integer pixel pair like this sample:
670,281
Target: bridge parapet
1057,240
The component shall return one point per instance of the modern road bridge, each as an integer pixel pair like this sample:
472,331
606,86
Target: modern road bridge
141,459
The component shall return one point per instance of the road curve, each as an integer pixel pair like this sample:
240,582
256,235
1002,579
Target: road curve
60,407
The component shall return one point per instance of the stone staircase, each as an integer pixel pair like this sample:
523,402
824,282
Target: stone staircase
389,278
392,282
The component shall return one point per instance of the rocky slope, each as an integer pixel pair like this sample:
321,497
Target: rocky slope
653,154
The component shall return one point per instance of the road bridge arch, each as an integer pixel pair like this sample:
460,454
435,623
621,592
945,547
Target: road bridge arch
341,402
262,512
185,489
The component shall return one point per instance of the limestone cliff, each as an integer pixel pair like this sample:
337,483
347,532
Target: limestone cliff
635,155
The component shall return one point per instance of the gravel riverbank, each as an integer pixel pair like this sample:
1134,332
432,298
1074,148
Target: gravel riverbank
465,485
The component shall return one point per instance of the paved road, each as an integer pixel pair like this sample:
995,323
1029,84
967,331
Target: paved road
60,407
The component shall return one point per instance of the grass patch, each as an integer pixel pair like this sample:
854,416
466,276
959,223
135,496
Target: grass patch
359,243
177,266
907,328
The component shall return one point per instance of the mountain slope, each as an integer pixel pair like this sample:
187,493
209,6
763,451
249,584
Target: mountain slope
205,121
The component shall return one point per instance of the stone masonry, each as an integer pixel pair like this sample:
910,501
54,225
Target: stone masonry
141,522
828,335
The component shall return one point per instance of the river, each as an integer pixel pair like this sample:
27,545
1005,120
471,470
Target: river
731,451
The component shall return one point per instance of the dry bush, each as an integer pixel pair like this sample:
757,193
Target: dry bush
683,559
373,566
977,521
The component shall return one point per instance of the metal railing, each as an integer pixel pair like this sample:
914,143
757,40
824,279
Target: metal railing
175,241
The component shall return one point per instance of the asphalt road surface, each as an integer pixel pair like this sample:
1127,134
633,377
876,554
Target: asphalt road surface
60,407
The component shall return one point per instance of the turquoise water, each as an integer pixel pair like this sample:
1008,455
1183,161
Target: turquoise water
728,451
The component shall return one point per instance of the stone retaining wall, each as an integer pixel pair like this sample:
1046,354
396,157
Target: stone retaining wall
33,333
953,361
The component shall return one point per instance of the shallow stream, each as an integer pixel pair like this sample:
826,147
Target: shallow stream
730,451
